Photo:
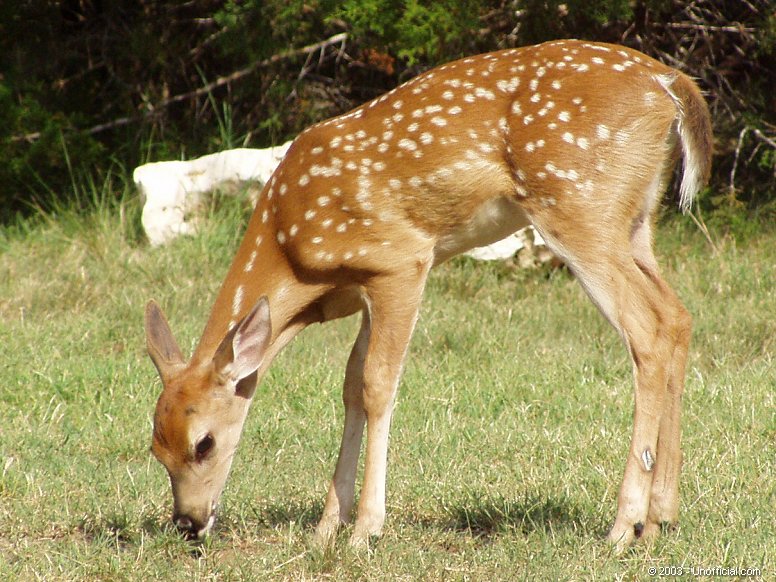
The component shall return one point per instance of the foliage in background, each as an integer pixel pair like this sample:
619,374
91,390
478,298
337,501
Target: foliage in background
110,85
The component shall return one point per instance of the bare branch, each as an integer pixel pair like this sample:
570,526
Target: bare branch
204,90
710,28
704,229
153,109
732,185
764,138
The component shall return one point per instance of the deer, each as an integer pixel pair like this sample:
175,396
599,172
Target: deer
578,139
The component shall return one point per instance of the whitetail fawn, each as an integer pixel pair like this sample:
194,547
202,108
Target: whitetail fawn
579,139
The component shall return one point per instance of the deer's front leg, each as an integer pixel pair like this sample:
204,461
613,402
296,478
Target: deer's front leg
393,305
340,499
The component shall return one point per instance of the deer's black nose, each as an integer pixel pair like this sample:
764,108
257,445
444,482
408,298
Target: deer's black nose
191,528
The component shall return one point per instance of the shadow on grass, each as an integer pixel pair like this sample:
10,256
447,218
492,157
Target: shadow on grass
485,517
124,532
272,514
478,515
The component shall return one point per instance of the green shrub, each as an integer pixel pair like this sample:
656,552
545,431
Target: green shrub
72,103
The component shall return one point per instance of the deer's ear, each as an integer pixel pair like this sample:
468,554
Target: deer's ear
162,347
242,350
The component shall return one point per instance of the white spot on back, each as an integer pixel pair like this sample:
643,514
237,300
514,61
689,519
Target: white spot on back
508,86
408,144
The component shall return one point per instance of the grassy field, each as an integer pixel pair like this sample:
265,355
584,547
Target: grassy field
508,443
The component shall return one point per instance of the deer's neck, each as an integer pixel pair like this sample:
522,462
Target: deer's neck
260,268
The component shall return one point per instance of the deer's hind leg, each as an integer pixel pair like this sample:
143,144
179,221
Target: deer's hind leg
648,318
664,500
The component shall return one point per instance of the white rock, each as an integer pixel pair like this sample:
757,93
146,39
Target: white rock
172,190
507,247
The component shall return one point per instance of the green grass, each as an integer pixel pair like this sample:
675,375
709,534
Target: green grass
507,448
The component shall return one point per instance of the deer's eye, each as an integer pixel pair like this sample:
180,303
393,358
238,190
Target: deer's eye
204,446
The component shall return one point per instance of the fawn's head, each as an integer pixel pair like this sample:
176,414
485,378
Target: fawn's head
201,411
